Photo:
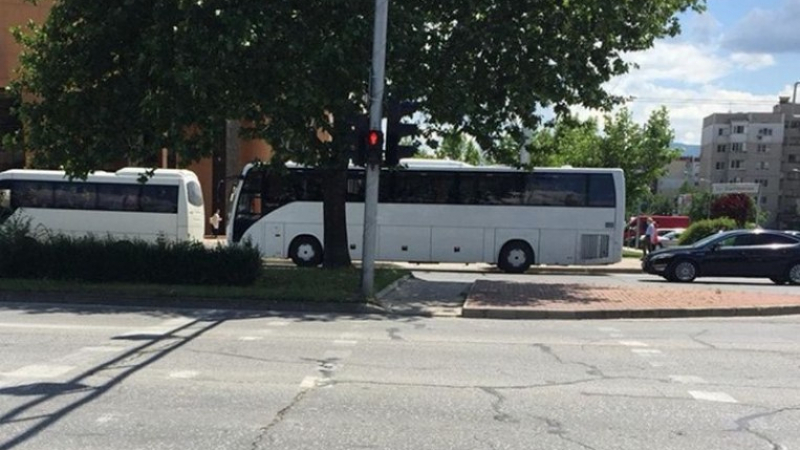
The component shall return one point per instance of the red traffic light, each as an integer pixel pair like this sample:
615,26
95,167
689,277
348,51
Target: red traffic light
374,139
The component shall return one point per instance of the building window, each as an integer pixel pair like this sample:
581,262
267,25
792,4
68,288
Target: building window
736,180
737,147
763,199
765,131
721,132
764,183
736,164
738,129
720,165
721,148
762,148
792,158
762,165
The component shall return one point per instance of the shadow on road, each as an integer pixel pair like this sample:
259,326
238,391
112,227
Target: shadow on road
49,395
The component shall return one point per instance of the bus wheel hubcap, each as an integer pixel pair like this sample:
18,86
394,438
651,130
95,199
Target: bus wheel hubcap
516,257
305,252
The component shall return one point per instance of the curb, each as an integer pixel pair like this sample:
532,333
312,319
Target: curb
663,313
122,301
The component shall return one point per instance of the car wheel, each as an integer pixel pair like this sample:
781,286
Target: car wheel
793,274
778,280
306,251
683,271
515,257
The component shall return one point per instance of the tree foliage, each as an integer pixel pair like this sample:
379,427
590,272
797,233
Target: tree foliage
739,207
118,81
642,151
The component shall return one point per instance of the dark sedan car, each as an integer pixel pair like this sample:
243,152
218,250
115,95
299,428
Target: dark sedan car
739,253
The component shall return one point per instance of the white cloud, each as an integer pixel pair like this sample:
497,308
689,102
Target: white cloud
679,61
767,31
752,61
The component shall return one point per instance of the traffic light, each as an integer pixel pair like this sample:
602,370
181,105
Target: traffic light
374,142
358,130
396,131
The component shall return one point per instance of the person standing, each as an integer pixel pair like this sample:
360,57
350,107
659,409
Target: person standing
215,220
650,236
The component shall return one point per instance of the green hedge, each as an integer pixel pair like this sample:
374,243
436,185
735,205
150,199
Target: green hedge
105,260
702,228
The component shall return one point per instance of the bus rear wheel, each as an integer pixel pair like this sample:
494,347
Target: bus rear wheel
515,257
306,251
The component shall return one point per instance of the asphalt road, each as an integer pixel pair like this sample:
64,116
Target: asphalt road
115,379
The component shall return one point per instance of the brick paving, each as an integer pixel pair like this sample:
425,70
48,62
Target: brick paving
504,299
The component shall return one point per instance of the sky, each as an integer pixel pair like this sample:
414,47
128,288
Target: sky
739,55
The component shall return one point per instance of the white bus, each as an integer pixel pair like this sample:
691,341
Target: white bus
436,211
107,204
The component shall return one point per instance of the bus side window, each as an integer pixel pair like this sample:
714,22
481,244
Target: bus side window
160,199
33,194
74,196
112,197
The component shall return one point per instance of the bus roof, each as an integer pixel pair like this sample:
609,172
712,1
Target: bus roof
126,174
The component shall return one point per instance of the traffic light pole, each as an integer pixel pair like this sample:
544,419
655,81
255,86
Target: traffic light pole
373,168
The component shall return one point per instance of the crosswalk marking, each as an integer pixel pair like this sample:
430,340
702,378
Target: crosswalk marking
712,396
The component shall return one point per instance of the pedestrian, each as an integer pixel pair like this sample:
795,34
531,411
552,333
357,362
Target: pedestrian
215,220
648,236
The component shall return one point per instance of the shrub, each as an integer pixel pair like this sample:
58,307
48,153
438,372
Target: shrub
703,228
107,260
739,207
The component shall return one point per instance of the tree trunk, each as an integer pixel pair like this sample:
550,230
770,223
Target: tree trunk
337,254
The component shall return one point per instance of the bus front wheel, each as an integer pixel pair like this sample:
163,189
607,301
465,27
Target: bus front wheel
306,251
515,257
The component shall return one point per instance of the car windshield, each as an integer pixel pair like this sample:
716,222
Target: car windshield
711,238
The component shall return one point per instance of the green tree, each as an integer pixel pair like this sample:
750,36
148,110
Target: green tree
111,82
739,207
642,151
459,147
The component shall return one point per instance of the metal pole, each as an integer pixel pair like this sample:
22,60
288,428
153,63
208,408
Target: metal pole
373,168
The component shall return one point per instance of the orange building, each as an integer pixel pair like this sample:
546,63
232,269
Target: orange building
217,174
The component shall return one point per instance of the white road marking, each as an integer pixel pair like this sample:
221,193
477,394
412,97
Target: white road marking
309,382
39,371
104,349
337,354
184,374
646,351
687,379
344,342
350,336
176,322
251,338
633,343
277,323
608,329
657,363
712,396
44,326
105,418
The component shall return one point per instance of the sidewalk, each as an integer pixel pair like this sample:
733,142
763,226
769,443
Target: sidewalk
509,300
561,297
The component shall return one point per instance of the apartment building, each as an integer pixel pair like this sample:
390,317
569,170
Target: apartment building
757,147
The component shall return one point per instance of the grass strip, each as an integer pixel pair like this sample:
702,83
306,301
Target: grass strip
289,284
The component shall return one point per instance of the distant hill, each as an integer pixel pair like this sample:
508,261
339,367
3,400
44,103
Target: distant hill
687,149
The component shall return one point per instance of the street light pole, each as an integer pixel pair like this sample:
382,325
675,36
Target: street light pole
373,169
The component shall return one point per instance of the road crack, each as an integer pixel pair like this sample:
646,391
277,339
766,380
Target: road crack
264,431
743,425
